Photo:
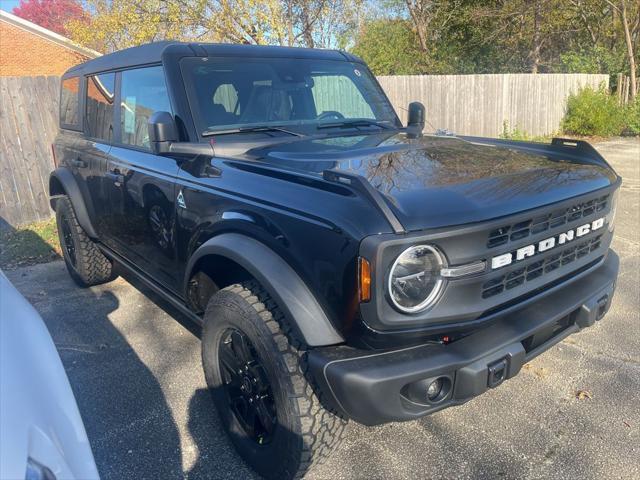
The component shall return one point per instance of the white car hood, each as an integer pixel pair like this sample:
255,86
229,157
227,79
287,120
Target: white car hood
39,418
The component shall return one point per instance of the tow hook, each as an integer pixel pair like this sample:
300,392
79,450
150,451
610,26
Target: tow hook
602,306
497,372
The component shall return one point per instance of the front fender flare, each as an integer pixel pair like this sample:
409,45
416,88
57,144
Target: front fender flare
72,189
283,284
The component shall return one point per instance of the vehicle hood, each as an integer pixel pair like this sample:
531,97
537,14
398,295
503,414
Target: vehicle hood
436,181
39,417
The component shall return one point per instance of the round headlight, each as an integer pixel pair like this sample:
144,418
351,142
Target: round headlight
414,280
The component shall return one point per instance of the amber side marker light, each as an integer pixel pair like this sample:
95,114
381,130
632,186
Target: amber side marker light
364,279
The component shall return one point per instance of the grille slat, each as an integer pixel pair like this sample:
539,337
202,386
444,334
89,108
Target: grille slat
536,269
518,231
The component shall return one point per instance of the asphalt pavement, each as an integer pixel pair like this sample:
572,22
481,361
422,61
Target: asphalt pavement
135,370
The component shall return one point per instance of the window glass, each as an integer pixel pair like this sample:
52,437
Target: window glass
142,93
226,96
99,108
299,93
69,102
338,93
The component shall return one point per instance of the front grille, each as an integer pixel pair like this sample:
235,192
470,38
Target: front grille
539,268
518,231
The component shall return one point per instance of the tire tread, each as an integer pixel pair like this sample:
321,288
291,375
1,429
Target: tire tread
92,267
322,430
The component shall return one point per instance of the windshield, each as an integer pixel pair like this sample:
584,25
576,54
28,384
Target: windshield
302,95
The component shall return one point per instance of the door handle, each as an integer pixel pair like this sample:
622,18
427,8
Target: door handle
76,162
116,177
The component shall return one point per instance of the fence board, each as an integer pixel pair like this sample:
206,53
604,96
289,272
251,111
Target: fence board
481,104
28,126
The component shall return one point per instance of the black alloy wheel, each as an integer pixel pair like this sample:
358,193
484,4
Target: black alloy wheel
256,371
69,244
247,386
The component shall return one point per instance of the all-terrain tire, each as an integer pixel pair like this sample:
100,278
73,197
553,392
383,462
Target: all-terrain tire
86,264
306,432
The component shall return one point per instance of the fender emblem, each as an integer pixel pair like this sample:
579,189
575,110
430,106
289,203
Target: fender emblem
180,200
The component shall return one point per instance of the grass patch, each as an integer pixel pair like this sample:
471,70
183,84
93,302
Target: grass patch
520,135
30,244
517,134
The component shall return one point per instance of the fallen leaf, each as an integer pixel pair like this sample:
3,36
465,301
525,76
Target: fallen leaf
583,394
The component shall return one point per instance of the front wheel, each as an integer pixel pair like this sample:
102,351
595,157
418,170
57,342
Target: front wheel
258,380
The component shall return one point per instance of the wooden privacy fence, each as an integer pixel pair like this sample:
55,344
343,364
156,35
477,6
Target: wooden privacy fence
28,126
481,104
464,104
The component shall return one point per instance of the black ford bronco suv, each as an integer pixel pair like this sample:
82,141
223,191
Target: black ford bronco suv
342,266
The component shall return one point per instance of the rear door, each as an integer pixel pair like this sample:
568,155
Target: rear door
99,103
141,197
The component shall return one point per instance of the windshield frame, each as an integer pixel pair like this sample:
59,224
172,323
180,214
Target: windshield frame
304,127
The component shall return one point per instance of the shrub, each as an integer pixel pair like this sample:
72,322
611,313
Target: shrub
516,133
632,117
593,113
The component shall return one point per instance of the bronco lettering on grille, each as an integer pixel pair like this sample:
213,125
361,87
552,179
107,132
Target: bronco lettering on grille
546,244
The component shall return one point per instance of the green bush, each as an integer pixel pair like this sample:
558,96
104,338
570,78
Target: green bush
516,133
594,113
632,117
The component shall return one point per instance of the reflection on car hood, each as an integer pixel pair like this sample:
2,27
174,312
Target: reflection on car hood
435,181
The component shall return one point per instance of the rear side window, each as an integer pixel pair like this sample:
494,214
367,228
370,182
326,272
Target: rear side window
69,108
99,106
143,91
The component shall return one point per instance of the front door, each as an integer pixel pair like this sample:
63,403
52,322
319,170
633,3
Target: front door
141,185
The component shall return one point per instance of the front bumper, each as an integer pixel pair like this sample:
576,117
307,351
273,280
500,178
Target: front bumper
374,388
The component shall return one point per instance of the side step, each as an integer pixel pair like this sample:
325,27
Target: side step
158,289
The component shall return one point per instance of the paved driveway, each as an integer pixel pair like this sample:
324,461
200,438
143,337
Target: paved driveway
136,374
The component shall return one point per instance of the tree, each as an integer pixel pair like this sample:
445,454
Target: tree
503,36
390,47
631,27
51,14
430,19
117,24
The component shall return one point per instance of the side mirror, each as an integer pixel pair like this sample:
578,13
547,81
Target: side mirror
416,117
163,139
162,132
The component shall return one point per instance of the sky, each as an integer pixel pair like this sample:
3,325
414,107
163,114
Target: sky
8,4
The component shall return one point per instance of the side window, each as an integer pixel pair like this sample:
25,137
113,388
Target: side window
69,108
143,92
99,108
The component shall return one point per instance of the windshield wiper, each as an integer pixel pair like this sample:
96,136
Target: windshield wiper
212,132
358,122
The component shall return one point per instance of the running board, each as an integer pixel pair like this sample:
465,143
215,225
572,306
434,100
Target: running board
158,289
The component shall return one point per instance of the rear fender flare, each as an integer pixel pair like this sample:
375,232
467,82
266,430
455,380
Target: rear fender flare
284,285
72,189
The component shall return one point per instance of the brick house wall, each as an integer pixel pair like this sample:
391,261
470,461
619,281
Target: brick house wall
29,50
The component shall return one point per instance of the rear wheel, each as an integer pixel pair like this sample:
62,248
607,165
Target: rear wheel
257,375
86,264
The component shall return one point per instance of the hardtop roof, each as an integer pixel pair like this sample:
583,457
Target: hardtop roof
151,53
